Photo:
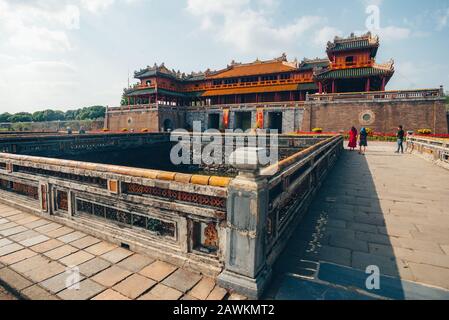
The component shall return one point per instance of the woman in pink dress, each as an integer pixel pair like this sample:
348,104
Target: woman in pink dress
352,139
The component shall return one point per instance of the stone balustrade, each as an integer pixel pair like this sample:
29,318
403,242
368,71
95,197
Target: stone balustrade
264,206
230,227
165,213
433,149
424,94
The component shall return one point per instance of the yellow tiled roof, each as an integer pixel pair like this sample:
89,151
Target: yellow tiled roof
256,68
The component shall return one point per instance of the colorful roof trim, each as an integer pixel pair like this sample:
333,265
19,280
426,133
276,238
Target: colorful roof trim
366,41
354,73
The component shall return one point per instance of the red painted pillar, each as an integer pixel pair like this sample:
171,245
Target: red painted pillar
320,87
383,84
333,86
368,85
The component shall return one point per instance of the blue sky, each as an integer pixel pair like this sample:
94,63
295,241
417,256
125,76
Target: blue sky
66,54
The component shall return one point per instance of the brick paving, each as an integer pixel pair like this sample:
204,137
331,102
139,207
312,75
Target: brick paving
380,209
35,254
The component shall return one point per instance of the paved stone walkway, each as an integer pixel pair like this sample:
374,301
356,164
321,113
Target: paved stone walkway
35,255
381,209
5,295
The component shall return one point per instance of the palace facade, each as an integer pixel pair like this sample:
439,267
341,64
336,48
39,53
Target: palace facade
273,94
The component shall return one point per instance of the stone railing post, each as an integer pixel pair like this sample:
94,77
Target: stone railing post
246,270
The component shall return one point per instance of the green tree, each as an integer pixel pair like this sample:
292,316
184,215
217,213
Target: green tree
88,113
21,117
38,116
71,114
48,115
91,113
4,117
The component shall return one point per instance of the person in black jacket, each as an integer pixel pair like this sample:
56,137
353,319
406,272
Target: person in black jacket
400,135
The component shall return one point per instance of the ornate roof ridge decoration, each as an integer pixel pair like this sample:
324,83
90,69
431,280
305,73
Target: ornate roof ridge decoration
282,59
314,64
307,60
389,65
370,39
162,69
317,60
352,37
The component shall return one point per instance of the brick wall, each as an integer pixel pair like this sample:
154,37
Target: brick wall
134,120
153,119
175,117
380,116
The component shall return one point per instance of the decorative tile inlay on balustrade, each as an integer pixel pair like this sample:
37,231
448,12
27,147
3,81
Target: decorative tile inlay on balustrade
62,200
99,182
156,226
204,200
20,188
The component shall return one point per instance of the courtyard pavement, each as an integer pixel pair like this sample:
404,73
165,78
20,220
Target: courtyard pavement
35,255
382,209
385,210
5,295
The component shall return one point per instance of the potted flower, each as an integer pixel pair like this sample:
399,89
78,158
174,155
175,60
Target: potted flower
425,131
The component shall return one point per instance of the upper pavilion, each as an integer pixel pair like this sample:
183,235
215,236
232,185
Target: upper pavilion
353,66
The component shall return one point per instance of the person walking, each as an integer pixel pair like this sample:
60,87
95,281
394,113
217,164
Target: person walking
363,141
352,139
400,135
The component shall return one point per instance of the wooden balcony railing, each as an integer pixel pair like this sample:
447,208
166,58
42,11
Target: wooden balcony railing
348,65
250,84
205,87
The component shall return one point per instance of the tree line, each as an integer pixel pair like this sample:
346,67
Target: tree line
87,113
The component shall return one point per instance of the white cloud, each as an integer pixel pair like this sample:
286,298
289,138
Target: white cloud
32,84
247,25
326,34
27,25
409,74
96,5
42,39
442,19
372,2
392,33
374,23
